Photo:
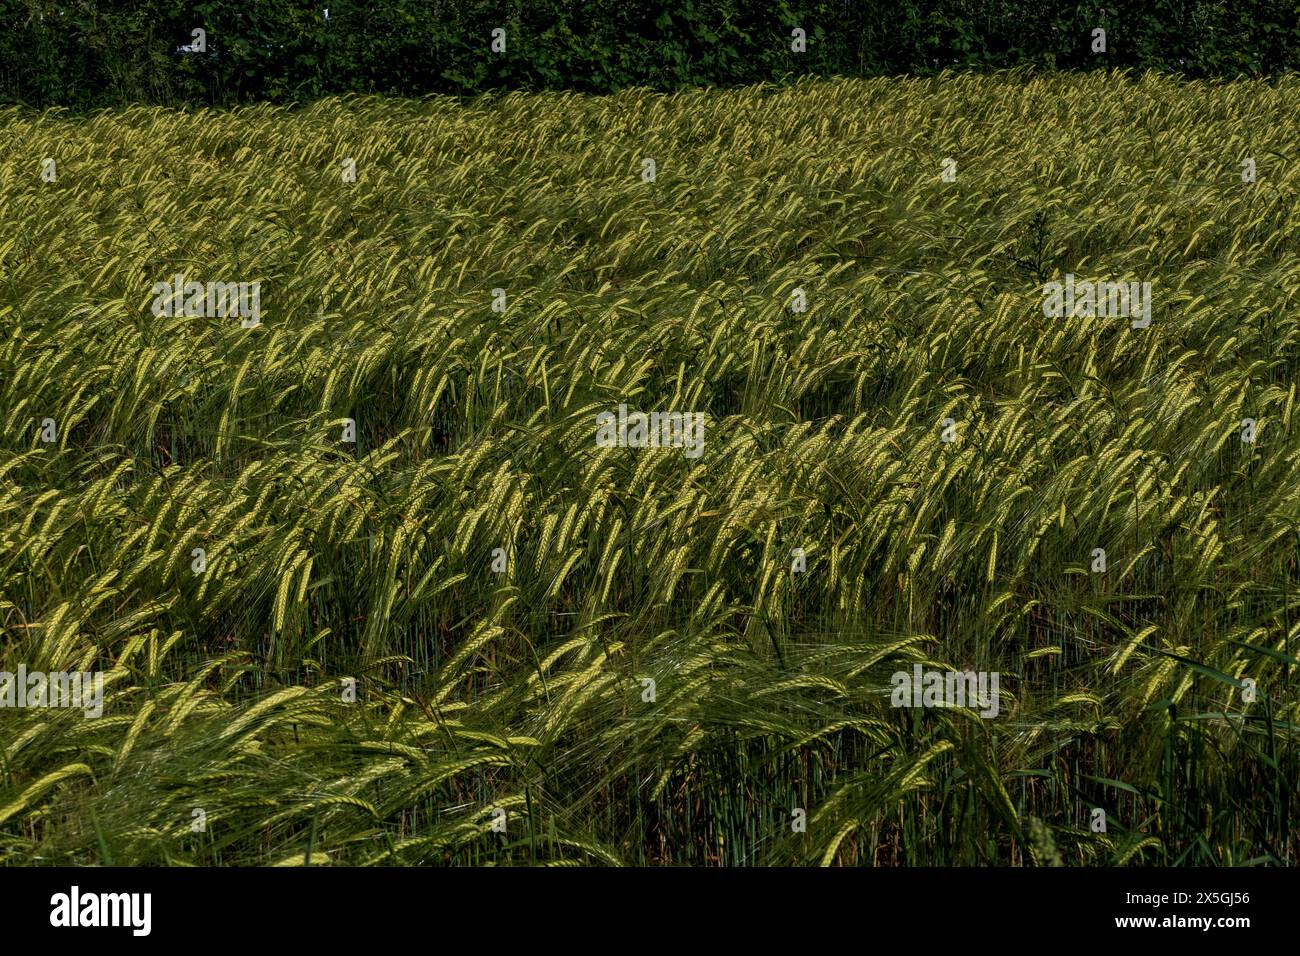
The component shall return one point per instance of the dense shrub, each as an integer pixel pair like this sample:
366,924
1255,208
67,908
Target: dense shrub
98,52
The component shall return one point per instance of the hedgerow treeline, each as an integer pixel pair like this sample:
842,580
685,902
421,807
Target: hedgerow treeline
97,53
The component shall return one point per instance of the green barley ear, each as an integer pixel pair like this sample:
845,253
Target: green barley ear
1041,845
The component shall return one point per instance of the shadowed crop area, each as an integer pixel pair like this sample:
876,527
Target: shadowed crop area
365,587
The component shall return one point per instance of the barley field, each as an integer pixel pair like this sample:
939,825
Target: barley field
364,588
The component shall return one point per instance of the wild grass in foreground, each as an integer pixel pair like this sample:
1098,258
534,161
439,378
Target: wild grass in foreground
641,675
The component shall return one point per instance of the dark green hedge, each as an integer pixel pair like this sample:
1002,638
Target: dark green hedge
99,52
